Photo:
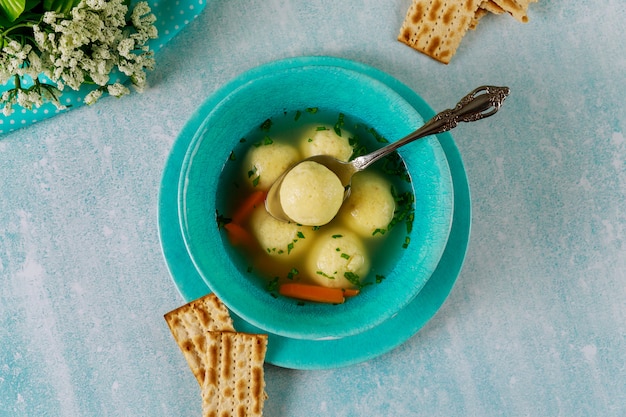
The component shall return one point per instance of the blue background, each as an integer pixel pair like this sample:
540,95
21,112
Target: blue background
535,325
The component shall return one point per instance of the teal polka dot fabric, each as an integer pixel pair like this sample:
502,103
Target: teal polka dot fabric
172,16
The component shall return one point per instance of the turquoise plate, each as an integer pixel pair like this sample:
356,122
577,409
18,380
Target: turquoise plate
309,354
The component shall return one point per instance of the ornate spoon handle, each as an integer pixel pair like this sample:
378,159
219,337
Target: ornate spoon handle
483,102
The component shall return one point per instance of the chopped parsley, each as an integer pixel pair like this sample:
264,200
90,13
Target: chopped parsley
273,284
266,125
291,274
322,273
353,278
221,220
339,124
379,231
379,138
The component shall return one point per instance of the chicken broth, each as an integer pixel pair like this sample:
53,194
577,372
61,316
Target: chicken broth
353,250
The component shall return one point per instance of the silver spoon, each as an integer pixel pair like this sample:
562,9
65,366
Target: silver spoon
480,103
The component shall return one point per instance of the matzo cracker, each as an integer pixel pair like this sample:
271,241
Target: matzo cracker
189,325
234,383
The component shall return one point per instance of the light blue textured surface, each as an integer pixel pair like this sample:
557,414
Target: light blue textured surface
536,324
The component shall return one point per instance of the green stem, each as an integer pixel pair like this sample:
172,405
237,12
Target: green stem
26,24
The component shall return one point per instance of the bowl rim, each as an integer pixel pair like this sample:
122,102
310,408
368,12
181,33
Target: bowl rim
323,327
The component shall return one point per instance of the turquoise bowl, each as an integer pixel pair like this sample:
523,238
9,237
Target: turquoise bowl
265,92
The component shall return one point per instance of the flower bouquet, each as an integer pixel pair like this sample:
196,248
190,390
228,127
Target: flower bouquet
48,46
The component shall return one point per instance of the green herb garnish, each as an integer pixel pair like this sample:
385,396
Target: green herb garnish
352,278
273,284
266,125
221,220
339,124
324,274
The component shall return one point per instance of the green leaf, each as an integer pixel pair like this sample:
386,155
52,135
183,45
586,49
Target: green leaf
59,6
12,8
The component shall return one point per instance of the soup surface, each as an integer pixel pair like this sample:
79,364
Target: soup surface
357,247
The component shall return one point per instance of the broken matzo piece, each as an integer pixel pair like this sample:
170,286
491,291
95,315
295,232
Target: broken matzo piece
516,8
436,27
189,325
234,384
486,7
491,7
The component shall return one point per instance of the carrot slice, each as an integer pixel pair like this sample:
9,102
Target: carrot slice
245,209
315,293
238,235
350,292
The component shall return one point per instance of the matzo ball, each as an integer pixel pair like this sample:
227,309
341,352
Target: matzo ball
370,207
278,239
338,259
311,194
325,142
265,163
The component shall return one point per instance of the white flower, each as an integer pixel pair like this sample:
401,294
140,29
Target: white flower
90,44
118,90
93,96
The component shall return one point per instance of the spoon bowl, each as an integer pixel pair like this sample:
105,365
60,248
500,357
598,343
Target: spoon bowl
480,103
